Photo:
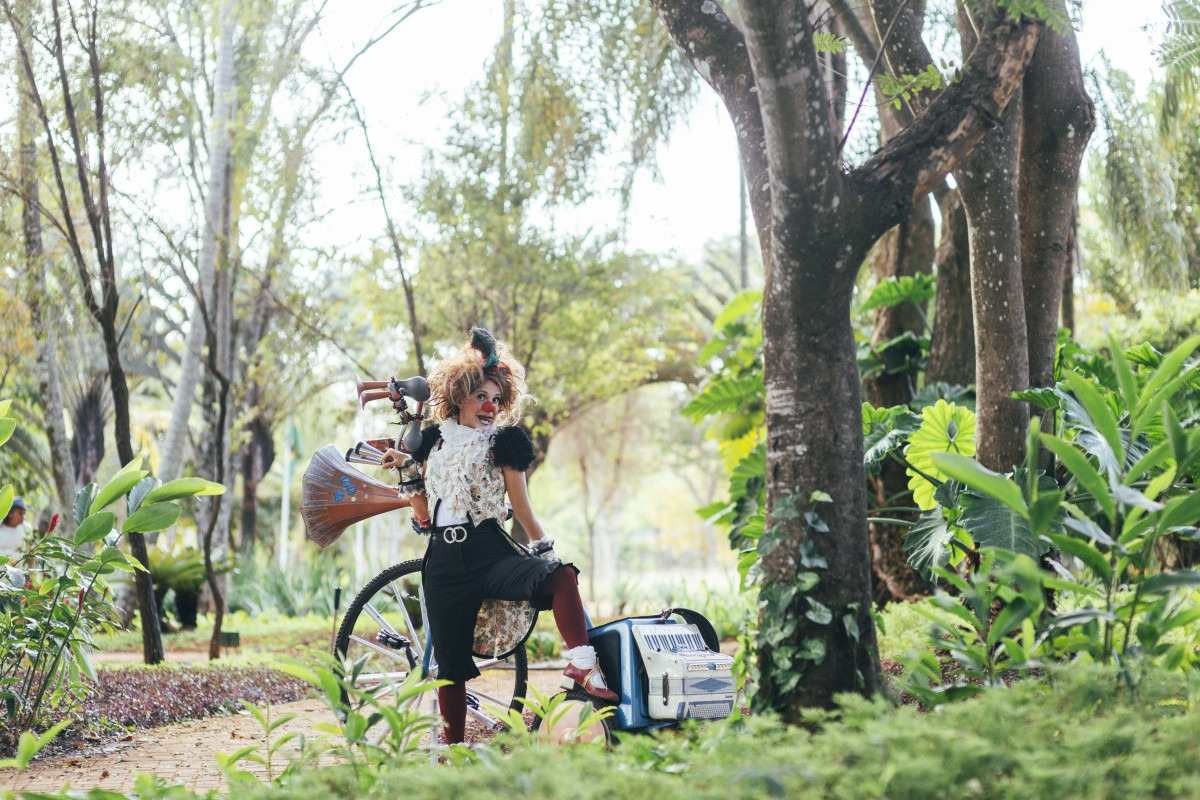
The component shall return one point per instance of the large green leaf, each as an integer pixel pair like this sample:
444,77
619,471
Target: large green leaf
945,428
84,496
95,527
6,500
7,426
991,523
723,395
1167,581
183,487
1125,376
121,483
1099,412
151,517
978,477
1087,476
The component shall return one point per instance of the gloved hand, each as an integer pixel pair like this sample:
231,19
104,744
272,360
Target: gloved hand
543,548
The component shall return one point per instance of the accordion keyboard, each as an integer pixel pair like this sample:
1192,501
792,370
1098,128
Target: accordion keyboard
686,679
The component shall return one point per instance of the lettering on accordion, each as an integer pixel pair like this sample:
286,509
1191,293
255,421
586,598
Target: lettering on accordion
687,680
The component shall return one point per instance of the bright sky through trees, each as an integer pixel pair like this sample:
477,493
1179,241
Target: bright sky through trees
408,85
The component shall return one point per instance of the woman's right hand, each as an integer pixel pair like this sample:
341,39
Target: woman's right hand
393,458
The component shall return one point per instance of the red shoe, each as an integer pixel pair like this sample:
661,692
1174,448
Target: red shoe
591,681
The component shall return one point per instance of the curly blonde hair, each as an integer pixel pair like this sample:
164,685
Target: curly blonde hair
458,375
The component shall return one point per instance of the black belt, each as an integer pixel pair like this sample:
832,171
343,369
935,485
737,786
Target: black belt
457,534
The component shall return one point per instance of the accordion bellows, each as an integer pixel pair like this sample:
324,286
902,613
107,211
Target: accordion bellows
336,495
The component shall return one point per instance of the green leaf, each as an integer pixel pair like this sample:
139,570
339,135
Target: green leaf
738,306
1180,511
1090,556
993,524
1153,459
818,612
724,394
183,487
1175,435
1167,581
1044,398
83,501
151,517
138,493
1009,618
119,486
978,477
1101,415
5,405
6,499
95,527
826,42
1085,474
7,426
1164,381
1125,377
945,428
917,289
928,542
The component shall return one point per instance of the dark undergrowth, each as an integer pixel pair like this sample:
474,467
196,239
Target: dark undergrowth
146,697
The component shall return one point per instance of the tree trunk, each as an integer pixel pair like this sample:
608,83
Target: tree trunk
152,646
1057,121
816,635
45,326
952,348
1068,293
172,459
814,442
906,249
988,182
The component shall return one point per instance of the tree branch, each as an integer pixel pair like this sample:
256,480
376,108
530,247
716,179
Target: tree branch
916,160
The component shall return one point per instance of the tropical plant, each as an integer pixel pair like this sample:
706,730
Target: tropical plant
988,628
46,626
1126,463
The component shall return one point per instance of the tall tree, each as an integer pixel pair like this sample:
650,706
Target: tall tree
816,636
219,150
93,189
37,267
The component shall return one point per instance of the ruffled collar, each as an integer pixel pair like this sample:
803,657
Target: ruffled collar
457,435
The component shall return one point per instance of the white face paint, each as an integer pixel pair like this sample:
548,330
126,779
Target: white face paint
480,407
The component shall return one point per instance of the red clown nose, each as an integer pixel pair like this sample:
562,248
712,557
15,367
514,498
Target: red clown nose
488,407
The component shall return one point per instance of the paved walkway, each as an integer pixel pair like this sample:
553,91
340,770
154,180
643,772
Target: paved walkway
185,753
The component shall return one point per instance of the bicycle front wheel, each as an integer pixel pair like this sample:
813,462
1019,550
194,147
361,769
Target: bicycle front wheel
384,628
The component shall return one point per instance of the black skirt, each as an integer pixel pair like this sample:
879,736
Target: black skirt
459,576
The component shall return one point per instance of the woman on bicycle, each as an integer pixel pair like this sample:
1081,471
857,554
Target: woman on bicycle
473,459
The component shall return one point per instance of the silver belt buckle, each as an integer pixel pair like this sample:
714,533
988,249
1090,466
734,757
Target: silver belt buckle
455,534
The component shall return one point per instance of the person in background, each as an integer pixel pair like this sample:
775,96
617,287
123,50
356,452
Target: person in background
12,540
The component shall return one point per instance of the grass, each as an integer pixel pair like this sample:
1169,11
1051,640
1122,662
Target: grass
262,634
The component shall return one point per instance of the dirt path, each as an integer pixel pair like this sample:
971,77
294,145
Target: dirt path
185,753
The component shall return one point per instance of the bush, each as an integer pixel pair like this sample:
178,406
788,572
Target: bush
1074,735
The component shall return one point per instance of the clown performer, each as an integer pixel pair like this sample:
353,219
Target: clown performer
473,458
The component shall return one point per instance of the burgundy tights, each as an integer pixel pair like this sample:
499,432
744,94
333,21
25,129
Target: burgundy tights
563,586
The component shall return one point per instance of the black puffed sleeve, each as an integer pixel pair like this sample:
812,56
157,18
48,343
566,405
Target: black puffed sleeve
429,438
511,447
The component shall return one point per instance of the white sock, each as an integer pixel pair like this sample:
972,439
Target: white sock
583,656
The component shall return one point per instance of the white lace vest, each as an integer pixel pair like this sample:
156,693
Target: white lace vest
459,472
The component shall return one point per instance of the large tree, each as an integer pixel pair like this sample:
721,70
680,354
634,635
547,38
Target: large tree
817,220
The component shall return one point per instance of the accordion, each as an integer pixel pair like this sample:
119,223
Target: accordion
685,679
